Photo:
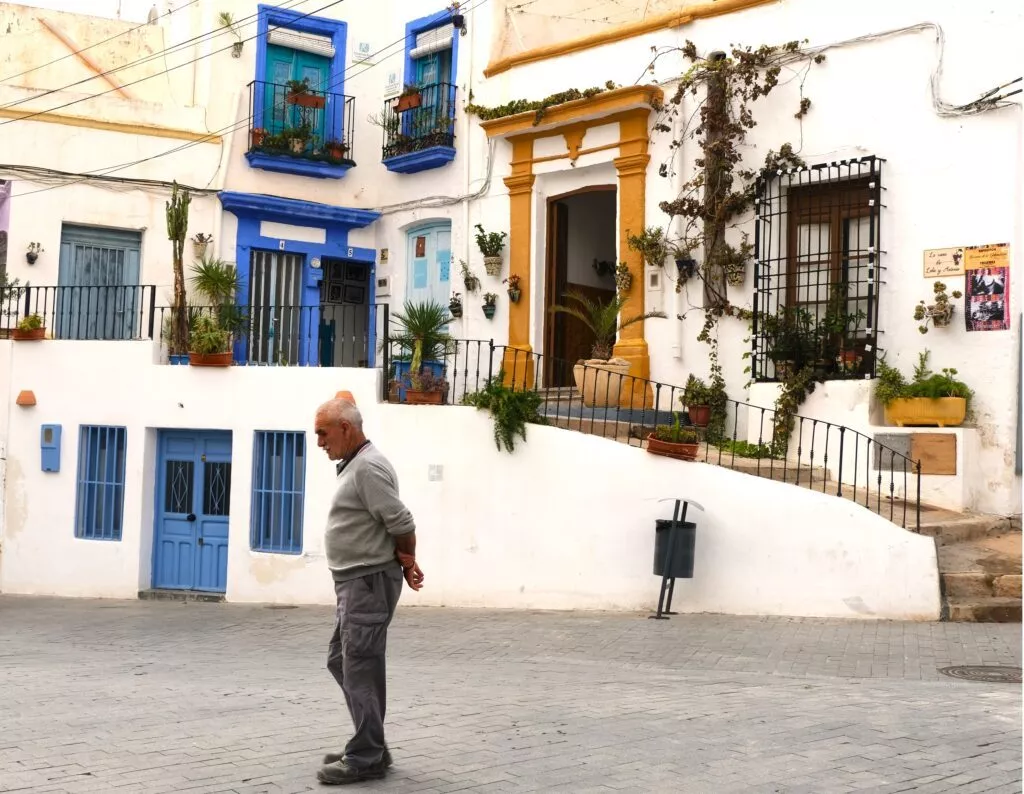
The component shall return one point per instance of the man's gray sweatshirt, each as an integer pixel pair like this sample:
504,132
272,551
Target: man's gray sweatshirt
365,515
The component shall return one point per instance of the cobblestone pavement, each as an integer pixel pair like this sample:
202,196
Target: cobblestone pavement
100,696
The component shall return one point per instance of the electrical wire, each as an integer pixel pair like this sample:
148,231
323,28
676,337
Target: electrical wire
97,44
169,69
53,175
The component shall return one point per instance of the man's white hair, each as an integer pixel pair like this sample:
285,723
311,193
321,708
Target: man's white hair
337,411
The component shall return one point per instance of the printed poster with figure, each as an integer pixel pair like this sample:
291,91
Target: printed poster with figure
987,293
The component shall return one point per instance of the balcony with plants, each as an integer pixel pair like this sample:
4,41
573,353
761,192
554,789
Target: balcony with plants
298,130
419,128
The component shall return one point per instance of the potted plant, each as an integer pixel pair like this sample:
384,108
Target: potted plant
30,329
297,138
490,299
514,292
228,21
259,136
930,399
458,18
849,362
697,399
651,245
34,250
335,149
299,93
200,242
940,313
490,245
209,344
623,279
686,265
409,99
421,339
455,305
791,340
674,441
469,278
426,388
599,378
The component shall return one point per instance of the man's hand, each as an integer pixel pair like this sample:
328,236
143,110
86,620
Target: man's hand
413,575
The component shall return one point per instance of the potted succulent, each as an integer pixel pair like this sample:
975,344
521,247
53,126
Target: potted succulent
490,245
299,93
674,441
930,399
30,329
200,242
455,304
697,399
409,99
600,377
514,292
490,299
426,388
209,344
469,278
940,312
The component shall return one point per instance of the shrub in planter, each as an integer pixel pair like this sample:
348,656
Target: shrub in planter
490,245
209,344
30,328
697,398
674,441
426,388
930,399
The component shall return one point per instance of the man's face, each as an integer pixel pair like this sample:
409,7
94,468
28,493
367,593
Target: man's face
337,440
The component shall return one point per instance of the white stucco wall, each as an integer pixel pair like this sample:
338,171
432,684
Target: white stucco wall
495,530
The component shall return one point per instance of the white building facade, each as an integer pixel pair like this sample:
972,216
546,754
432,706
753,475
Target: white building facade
339,204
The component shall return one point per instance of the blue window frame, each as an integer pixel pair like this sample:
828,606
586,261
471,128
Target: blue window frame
99,497
278,491
331,121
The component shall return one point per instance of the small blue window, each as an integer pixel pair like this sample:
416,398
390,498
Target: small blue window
99,500
278,491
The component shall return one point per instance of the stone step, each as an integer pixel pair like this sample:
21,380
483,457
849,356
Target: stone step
984,610
948,527
977,584
180,595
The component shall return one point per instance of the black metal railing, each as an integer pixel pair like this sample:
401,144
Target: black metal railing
419,121
819,455
308,124
119,312
329,335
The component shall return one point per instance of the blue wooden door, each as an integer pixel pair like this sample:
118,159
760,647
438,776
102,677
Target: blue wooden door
430,265
284,64
193,502
98,276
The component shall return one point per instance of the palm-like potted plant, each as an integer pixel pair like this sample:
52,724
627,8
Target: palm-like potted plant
211,335
490,245
600,377
422,338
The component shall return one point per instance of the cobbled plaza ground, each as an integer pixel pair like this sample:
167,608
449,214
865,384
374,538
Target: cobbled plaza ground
139,696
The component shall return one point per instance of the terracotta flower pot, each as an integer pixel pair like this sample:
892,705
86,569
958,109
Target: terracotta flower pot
307,100
670,450
700,415
600,382
32,335
210,359
408,102
424,397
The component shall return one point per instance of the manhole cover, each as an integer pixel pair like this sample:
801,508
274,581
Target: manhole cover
280,606
991,674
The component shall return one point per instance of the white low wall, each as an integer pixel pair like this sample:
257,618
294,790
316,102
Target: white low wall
564,523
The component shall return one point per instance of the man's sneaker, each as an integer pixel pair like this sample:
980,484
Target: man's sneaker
339,773
333,758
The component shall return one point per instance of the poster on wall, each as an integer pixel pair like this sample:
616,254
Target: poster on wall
987,294
943,262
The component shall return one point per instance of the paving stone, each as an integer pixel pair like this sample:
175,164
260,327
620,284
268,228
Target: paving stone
161,697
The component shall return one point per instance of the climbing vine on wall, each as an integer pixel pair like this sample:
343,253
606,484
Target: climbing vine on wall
540,107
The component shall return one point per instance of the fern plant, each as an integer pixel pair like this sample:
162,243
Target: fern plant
511,410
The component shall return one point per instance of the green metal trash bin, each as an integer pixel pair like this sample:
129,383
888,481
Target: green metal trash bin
685,539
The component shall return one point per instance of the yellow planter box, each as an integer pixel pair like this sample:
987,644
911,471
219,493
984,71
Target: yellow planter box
925,412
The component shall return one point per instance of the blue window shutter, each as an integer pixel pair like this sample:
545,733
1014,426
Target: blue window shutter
278,491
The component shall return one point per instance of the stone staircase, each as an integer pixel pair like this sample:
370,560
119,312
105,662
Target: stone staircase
979,555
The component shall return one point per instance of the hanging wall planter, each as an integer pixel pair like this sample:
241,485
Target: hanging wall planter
489,306
455,305
492,264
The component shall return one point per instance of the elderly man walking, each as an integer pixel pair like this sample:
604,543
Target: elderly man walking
370,544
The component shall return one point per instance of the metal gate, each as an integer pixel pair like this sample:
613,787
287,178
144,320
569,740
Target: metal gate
275,305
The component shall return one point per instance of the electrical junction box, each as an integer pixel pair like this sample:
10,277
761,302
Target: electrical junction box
49,443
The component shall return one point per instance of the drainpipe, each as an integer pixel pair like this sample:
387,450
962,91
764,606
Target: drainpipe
467,160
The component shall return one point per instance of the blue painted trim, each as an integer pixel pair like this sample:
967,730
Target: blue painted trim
253,208
423,160
283,164
320,26
422,25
